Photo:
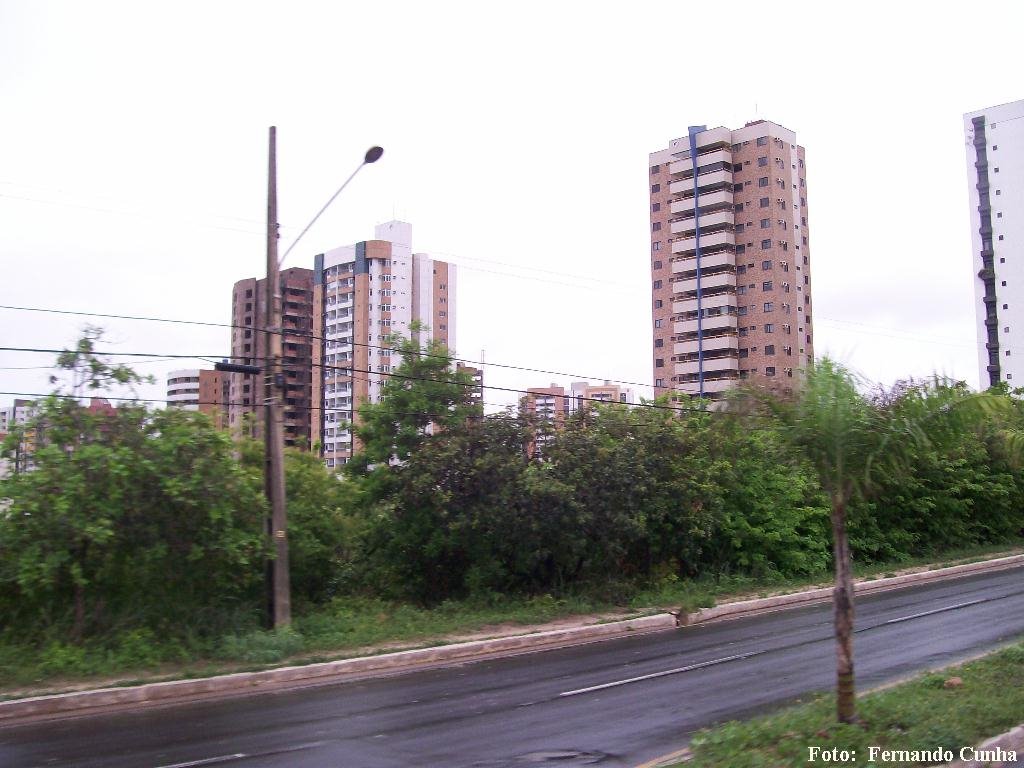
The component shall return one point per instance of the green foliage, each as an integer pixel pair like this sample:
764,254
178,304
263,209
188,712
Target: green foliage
130,516
423,395
917,715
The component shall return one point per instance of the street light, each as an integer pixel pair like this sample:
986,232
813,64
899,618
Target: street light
372,156
279,586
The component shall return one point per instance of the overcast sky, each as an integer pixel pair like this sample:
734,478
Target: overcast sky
133,163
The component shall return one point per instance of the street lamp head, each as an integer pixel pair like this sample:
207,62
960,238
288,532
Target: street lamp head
373,154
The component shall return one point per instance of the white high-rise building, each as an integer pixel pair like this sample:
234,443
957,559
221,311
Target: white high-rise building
995,171
363,294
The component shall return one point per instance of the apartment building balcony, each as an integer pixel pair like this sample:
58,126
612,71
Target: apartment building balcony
706,181
686,166
707,282
722,197
711,344
710,325
709,261
688,245
708,302
707,221
713,386
716,368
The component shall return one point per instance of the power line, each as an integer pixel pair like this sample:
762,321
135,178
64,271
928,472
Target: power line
349,370
314,337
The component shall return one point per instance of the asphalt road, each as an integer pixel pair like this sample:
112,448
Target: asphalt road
614,703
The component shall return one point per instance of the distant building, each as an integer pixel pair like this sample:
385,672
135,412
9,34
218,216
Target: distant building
199,389
585,393
477,391
995,170
730,259
363,294
248,346
21,414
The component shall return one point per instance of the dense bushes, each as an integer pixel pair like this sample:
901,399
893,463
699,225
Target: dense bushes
153,521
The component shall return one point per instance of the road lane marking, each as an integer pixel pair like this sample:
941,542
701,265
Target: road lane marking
938,610
653,675
207,761
244,755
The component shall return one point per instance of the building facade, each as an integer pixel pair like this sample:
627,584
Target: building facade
730,260
203,390
995,171
363,294
248,347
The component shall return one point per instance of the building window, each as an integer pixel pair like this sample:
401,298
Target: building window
655,169
737,187
762,140
766,285
656,207
762,161
769,370
741,311
656,246
741,290
763,181
740,250
769,306
659,343
741,270
655,189
738,208
769,349
769,327
658,303
657,323
765,223
656,226
657,265
743,331
657,284
659,382
765,202
659,363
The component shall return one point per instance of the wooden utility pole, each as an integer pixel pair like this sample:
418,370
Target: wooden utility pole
279,587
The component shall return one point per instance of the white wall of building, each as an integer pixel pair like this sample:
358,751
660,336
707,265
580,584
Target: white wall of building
1004,135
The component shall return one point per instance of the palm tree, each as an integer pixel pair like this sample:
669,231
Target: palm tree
855,442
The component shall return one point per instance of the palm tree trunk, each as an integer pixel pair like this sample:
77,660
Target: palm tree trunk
842,611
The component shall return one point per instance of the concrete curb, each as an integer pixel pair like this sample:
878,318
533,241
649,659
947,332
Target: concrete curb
176,691
87,702
824,594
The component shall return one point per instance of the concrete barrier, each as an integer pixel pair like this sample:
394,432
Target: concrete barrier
85,702
864,587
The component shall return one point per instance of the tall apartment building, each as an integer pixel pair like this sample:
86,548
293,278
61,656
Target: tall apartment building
364,293
995,170
200,389
248,346
730,259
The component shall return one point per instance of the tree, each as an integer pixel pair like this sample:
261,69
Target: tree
422,396
128,515
855,443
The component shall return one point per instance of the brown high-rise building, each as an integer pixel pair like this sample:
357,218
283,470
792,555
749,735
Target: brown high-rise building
248,346
730,259
200,389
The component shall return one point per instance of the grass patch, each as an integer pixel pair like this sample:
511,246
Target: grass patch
350,625
922,714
